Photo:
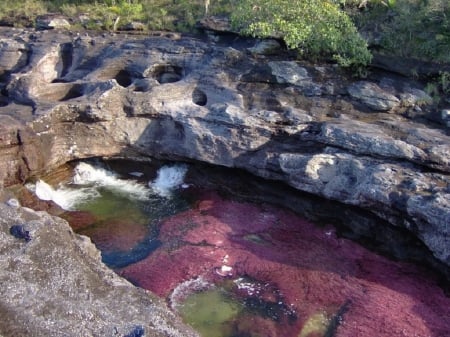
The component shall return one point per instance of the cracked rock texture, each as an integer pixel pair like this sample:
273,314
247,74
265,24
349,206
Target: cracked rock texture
368,144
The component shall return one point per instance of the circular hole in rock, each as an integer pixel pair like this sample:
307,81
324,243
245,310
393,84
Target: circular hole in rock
167,73
199,97
124,78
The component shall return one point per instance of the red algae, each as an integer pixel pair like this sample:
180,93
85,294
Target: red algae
300,272
79,219
113,234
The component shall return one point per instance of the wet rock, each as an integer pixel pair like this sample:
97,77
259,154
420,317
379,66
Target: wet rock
138,331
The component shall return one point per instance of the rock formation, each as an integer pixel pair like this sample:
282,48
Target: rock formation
54,284
369,144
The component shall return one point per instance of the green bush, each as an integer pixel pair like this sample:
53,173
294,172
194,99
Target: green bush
409,28
21,14
316,28
421,28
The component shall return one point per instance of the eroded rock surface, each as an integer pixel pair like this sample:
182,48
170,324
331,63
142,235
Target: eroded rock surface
71,96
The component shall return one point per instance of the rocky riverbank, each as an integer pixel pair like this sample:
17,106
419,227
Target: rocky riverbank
225,101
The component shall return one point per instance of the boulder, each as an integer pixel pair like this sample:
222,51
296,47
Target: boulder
52,21
266,47
445,116
217,24
133,26
373,96
289,72
13,55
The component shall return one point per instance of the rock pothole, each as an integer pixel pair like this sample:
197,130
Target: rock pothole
58,91
166,73
74,91
199,97
124,78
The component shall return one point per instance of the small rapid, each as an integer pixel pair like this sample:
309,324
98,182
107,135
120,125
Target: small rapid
168,179
88,179
64,196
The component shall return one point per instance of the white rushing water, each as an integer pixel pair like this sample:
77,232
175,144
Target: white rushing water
168,179
86,174
65,197
89,178
85,187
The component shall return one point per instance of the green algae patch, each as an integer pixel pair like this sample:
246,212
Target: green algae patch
316,325
210,312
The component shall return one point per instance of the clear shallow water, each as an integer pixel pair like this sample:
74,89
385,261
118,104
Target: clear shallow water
233,268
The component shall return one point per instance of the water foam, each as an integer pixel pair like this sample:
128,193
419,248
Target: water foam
86,174
168,179
85,187
65,197
88,179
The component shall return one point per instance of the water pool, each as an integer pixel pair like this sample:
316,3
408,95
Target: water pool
237,268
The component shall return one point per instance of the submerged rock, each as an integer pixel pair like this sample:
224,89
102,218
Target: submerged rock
282,275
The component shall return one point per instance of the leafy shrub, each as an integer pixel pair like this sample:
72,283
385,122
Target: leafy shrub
316,28
20,15
410,28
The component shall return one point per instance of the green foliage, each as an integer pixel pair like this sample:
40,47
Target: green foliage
20,15
316,28
439,87
410,28
365,3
